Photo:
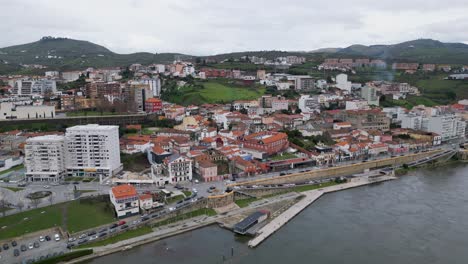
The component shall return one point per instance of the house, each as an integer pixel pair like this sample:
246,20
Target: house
378,148
125,200
208,170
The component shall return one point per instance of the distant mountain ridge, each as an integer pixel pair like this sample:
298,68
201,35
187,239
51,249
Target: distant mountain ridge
70,54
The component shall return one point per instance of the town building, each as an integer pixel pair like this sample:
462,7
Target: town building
342,82
369,93
9,110
125,200
153,105
45,158
93,151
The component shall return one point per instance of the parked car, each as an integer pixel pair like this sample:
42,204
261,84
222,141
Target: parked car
93,237
46,187
82,236
91,233
23,248
71,239
5,246
41,239
30,246
102,234
122,223
13,243
146,218
112,230
113,226
81,241
36,244
103,230
124,227
16,252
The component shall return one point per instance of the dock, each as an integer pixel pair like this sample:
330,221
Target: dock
310,197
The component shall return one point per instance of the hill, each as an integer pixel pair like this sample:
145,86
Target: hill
421,50
70,54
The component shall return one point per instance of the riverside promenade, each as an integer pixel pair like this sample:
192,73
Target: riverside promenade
310,197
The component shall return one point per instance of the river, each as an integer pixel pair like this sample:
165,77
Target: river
420,218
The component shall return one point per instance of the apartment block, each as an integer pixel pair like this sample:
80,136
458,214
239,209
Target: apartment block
93,151
45,158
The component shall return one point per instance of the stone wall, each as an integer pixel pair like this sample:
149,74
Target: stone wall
339,171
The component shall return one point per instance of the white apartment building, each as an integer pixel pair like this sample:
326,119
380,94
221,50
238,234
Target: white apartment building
154,85
369,93
448,126
92,151
342,82
9,110
45,158
34,87
309,104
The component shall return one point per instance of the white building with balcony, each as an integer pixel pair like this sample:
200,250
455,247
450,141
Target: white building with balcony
45,158
93,151
125,200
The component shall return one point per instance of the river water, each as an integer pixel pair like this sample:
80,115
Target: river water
419,219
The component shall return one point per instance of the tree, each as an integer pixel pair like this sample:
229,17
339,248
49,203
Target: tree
3,206
20,205
35,202
51,198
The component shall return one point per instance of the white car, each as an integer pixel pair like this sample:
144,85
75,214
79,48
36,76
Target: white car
171,209
41,239
197,181
57,237
194,190
46,186
30,246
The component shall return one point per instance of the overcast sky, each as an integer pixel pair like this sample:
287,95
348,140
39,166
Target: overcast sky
203,27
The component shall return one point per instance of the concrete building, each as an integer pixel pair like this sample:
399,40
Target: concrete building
92,151
309,104
448,126
369,93
9,161
136,94
45,158
9,110
342,82
154,85
261,74
71,76
125,200
34,87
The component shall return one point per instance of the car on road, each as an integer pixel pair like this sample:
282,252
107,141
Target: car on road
81,241
82,236
71,239
30,246
103,230
146,218
212,187
16,252
5,246
112,230
93,237
91,233
124,227
178,187
70,245
41,239
122,223
197,181
36,244
57,237
102,234
46,187
136,222
113,226
171,209
23,248
13,243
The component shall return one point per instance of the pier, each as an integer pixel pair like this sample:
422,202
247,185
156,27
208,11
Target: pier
310,197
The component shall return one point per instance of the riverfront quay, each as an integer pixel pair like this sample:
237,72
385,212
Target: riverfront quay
420,218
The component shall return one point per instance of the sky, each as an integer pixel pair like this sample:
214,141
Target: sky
207,27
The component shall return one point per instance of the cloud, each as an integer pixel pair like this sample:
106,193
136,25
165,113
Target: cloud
211,26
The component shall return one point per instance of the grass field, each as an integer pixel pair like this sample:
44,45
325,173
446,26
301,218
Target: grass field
284,156
304,188
245,202
74,216
19,167
204,211
174,199
14,189
120,237
187,193
216,91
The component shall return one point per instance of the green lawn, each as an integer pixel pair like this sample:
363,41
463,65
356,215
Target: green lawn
15,189
203,211
284,156
215,91
19,167
74,215
187,193
134,162
245,202
174,199
120,237
85,215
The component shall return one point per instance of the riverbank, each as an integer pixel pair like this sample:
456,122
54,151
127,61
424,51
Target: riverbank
203,221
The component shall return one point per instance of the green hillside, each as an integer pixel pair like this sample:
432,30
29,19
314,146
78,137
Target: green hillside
70,54
421,50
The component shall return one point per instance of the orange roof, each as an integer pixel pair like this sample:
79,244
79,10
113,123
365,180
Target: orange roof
124,191
153,100
274,138
146,197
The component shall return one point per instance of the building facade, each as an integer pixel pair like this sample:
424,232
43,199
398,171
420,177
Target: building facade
45,158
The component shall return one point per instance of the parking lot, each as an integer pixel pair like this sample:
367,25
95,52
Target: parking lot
32,248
